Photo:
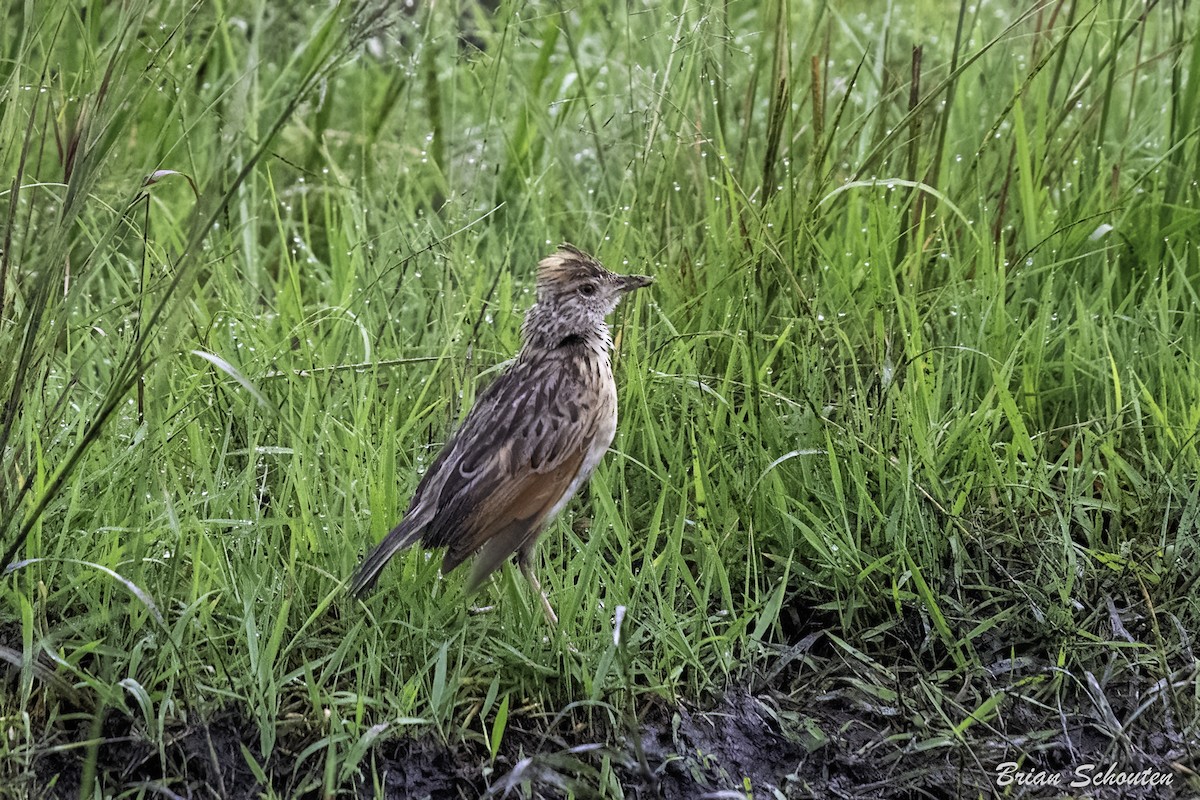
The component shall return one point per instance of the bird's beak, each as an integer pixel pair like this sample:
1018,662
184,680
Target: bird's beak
631,282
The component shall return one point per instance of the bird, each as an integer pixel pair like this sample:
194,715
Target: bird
530,441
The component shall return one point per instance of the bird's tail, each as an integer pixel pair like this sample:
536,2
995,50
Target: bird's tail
399,538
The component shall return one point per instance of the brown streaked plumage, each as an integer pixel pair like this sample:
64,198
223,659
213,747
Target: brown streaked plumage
531,439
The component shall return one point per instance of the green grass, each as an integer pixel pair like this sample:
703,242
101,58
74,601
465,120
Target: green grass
918,370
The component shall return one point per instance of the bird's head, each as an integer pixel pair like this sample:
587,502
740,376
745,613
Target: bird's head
574,295
575,288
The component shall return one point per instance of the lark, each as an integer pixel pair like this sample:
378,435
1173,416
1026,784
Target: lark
531,440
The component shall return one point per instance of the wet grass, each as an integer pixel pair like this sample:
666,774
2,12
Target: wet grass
906,468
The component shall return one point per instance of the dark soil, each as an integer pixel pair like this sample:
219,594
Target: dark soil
834,740
815,723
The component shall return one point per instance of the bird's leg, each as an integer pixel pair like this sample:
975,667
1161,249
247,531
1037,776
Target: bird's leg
527,571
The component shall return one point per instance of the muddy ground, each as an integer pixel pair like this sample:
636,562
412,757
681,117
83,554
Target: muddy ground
814,730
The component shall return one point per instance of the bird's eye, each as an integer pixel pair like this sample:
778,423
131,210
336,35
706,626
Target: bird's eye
588,289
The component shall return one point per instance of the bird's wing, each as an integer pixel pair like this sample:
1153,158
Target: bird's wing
515,456
510,519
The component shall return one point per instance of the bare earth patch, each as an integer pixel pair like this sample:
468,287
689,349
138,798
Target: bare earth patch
830,740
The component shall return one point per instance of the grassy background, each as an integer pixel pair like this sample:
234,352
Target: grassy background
918,371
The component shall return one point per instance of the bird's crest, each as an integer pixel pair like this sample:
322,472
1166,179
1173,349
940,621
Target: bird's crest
566,264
